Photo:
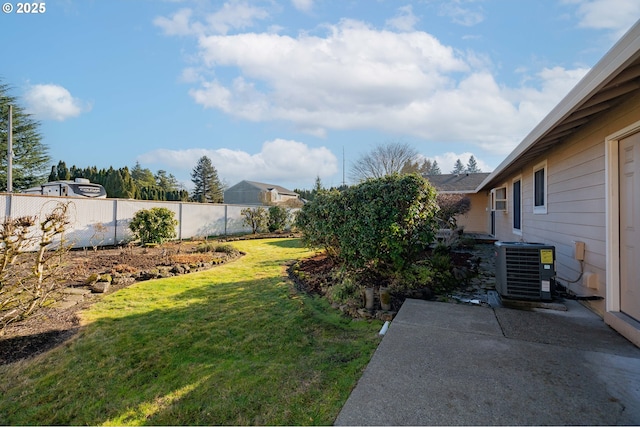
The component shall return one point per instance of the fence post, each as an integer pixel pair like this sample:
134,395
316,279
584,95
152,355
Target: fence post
226,218
115,222
180,221
10,206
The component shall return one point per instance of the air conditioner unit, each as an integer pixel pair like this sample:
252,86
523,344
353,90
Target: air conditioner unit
525,270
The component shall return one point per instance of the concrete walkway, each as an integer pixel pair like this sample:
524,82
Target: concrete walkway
454,364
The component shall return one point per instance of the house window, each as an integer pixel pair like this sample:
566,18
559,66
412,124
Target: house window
540,188
500,199
517,205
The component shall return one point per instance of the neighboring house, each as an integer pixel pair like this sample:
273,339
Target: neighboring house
259,193
576,178
474,221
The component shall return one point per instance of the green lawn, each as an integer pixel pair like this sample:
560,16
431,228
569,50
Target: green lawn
232,345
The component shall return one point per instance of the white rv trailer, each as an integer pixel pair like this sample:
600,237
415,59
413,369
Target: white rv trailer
80,187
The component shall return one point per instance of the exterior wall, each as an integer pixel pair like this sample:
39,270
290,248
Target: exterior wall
242,193
576,201
477,219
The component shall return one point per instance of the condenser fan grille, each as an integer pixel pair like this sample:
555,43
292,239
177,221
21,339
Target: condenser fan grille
523,272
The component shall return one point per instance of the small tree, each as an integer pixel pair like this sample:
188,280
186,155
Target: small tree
452,205
154,225
277,220
256,218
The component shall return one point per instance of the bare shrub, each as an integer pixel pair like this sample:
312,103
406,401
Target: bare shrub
31,262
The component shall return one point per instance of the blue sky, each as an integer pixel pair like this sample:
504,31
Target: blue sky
277,90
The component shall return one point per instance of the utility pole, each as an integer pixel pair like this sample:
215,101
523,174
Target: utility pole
10,152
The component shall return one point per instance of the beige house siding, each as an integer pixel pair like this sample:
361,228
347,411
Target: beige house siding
576,200
475,221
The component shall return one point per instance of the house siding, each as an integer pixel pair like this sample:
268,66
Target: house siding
576,199
475,221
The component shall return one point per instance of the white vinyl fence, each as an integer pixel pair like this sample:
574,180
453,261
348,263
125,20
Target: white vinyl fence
102,222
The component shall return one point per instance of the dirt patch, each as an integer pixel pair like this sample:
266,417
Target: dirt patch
51,326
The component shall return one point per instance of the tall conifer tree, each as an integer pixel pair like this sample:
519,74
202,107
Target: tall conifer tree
208,188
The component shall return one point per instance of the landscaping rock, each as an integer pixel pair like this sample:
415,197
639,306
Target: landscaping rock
100,287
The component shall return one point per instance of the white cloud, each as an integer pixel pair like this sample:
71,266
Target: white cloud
178,25
280,161
358,77
461,13
614,15
50,101
303,5
232,15
405,20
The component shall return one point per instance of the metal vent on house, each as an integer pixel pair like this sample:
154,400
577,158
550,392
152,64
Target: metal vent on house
525,270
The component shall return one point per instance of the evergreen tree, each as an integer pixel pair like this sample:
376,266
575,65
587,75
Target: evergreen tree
60,172
53,175
458,168
166,182
472,165
130,190
63,172
435,169
142,177
31,159
318,185
423,168
208,188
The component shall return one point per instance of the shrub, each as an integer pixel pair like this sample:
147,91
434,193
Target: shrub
277,220
381,224
154,225
452,205
416,276
345,291
441,266
256,218
30,279
226,249
319,219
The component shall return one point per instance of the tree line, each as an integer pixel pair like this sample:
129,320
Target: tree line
137,183
141,184
402,158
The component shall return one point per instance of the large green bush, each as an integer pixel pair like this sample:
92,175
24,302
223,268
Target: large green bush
154,225
381,224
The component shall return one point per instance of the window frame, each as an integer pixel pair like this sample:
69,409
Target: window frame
517,210
495,201
543,187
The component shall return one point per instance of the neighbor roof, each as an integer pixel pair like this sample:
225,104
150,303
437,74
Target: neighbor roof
613,80
456,183
269,187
